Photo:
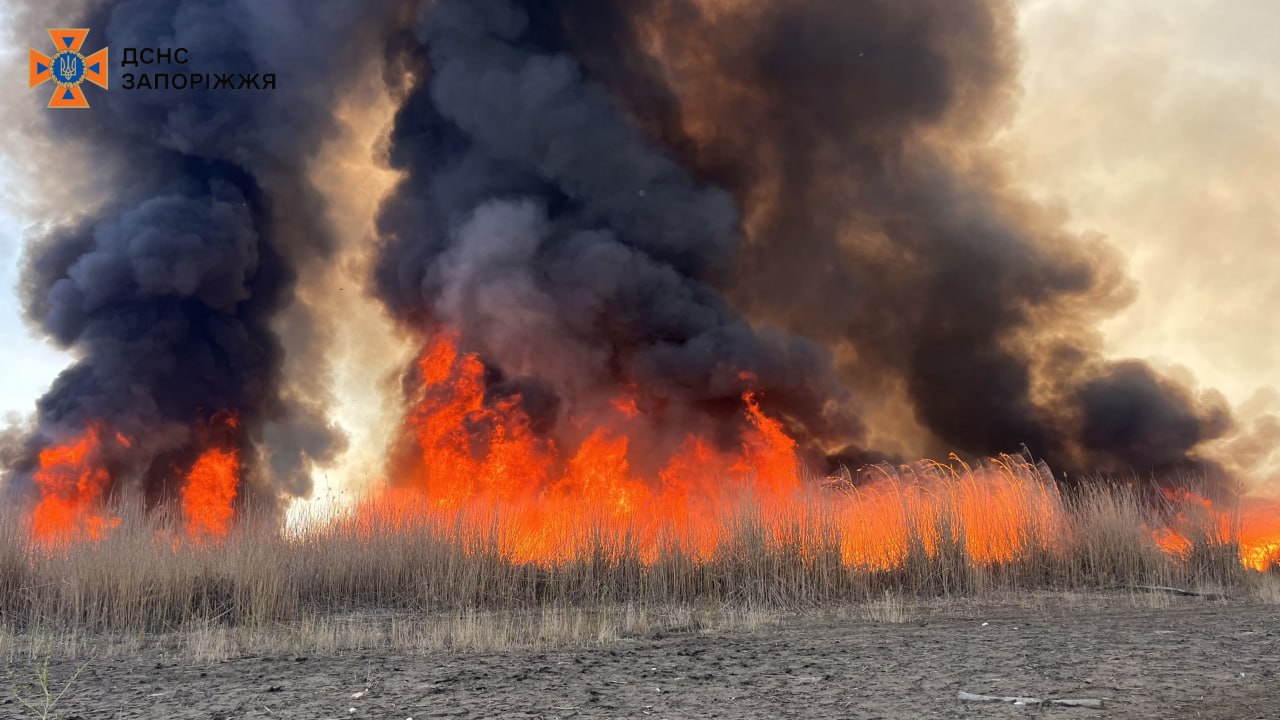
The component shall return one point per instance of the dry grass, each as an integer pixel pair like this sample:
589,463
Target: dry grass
891,609
439,582
1266,588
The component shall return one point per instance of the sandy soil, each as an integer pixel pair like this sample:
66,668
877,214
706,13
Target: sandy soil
1194,660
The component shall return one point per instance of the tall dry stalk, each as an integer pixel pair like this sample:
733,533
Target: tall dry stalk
935,532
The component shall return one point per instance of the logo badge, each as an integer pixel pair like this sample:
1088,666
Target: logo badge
68,68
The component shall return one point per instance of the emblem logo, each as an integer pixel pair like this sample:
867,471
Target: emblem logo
68,68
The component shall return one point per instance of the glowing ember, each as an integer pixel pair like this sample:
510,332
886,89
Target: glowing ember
209,495
72,485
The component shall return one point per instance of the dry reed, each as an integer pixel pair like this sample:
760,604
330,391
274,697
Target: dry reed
842,545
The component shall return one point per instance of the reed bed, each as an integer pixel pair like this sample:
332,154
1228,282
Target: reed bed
939,533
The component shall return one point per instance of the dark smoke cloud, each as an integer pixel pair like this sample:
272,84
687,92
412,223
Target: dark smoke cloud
596,194
167,292
569,250
852,132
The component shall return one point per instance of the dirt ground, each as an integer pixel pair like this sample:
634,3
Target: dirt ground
1193,660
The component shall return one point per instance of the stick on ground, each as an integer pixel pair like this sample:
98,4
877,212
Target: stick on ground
1084,703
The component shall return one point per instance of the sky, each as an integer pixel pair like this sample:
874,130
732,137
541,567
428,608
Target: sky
27,364
1157,124
1152,122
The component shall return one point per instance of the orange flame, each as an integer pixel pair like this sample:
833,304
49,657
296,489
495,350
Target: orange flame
478,456
1260,534
478,459
209,495
475,458
72,485
1252,523
995,513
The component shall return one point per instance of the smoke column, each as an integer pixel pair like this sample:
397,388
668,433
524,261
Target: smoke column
853,133
571,253
167,291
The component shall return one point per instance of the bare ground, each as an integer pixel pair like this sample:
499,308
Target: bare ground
1195,659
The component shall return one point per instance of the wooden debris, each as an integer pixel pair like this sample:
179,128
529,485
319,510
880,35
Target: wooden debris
1084,703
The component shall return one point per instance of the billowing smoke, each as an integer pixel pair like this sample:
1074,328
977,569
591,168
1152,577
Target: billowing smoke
167,291
690,199
853,133
568,249
546,216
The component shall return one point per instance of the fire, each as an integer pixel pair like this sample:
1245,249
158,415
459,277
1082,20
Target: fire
1252,523
209,495
478,460
73,484
475,460
451,419
1260,534
474,456
994,514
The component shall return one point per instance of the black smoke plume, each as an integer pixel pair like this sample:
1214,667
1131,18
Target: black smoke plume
690,197
167,291
568,249
852,133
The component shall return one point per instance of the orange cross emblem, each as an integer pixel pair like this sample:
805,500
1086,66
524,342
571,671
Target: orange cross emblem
68,68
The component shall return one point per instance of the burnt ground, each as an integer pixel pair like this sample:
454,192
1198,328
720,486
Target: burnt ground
1193,660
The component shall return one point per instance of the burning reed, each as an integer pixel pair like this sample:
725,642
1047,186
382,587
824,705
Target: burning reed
930,531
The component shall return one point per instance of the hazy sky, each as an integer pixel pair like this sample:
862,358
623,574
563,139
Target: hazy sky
27,365
1157,124
1154,122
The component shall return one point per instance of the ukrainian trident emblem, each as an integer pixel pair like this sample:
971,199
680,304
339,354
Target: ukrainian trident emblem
68,69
